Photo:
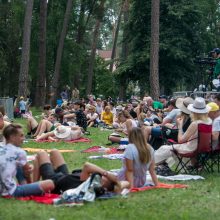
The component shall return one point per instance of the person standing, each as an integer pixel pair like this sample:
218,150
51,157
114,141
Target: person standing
22,105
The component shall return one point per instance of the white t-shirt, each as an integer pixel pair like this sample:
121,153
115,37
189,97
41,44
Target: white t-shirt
91,116
10,157
216,127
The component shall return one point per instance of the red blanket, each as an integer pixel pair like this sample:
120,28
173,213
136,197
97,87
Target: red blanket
160,185
47,198
73,141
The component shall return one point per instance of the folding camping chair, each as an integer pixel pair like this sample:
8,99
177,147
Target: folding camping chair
201,155
215,157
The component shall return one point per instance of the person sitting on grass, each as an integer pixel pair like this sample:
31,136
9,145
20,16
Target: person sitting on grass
61,132
107,116
46,125
92,116
138,159
3,125
127,123
11,158
54,167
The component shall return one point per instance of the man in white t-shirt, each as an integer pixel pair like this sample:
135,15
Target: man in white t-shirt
214,114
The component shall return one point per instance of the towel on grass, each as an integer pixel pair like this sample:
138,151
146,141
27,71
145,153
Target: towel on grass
160,185
117,156
101,149
83,140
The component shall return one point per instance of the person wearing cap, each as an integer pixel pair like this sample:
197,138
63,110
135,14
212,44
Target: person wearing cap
214,114
188,141
22,105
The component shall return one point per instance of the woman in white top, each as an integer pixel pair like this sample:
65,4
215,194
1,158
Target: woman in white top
126,125
187,142
92,116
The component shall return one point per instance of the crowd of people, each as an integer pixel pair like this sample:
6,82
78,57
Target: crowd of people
135,125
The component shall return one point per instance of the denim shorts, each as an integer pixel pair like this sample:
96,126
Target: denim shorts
156,131
31,189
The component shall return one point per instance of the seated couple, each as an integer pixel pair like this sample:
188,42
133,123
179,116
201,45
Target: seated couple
188,140
139,157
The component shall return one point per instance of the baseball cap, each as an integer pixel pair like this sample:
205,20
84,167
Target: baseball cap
214,106
58,110
216,50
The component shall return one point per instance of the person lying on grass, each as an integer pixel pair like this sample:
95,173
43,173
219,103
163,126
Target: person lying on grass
11,158
54,167
138,159
65,133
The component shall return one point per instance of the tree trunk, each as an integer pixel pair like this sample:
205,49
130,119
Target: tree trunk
116,37
93,49
125,50
40,95
154,51
55,81
25,57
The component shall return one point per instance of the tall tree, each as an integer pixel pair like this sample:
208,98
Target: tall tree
116,37
55,80
41,78
93,47
24,67
154,50
125,51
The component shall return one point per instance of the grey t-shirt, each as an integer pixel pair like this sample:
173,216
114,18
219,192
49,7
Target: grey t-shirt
140,169
172,115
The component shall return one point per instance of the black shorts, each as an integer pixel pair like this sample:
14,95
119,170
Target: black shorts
33,131
47,172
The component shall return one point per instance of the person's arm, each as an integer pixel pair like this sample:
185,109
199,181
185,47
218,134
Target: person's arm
184,137
152,173
45,135
28,170
90,168
215,135
129,173
69,116
128,124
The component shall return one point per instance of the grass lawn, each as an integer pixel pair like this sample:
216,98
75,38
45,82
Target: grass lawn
198,201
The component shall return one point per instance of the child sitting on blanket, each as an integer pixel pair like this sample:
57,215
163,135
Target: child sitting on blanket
138,158
13,157
65,133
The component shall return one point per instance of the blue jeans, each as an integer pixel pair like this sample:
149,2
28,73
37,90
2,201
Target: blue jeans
32,189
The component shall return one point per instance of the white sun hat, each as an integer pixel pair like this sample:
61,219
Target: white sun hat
182,103
62,131
199,106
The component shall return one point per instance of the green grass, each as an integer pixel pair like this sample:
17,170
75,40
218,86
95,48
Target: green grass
199,201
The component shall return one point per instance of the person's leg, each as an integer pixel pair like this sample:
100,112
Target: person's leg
37,188
41,158
163,153
31,124
57,159
38,129
48,125
43,128
114,139
91,123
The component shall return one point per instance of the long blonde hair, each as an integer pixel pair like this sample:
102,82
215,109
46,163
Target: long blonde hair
137,137
199,116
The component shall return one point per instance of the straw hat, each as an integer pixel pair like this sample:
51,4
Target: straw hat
199,106
182,103
62,131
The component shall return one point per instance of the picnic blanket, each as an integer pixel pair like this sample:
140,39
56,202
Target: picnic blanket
160,186
84,140
101,149
49,198
118,156
48,150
